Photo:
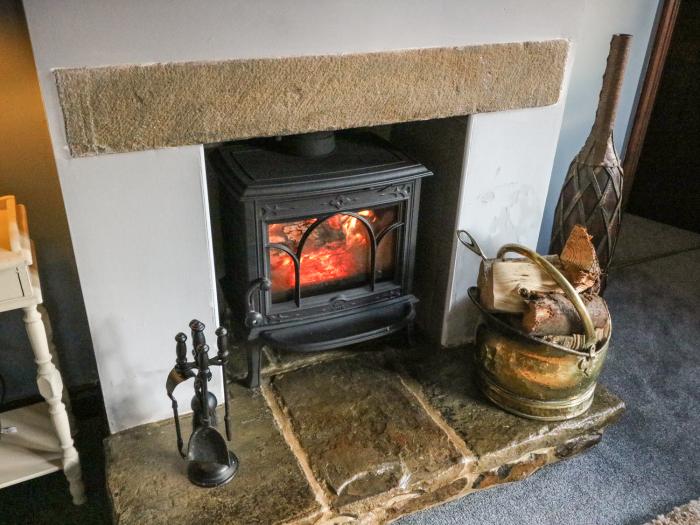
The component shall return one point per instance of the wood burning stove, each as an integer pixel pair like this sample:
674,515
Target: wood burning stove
318,240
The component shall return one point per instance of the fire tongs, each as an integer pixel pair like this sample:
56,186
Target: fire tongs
209,461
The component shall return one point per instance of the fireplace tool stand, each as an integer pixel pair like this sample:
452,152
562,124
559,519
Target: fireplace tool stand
209,461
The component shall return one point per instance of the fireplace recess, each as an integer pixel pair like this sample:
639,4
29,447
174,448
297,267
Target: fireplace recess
318,248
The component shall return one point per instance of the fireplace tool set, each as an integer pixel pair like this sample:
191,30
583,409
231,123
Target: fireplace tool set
209,461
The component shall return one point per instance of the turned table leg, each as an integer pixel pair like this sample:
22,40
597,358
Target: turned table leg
51,389
57,363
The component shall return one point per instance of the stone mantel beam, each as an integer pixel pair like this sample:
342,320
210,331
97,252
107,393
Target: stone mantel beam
125,108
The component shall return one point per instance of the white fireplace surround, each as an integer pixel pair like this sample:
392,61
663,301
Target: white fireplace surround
139,221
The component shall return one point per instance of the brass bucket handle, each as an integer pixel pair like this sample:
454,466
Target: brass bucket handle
565,285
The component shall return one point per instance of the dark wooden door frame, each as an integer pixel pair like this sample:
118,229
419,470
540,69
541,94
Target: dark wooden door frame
647,97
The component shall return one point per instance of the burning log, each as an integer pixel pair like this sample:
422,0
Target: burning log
293,231
554,314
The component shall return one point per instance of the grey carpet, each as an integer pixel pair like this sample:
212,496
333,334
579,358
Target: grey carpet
649,462
642,239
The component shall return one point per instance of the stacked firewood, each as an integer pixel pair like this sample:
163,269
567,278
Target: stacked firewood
530,300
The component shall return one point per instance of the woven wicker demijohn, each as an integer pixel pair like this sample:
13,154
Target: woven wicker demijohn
592,190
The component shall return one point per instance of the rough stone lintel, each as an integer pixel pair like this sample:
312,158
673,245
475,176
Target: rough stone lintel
139,107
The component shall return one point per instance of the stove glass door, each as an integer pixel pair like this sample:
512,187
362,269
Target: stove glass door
332,253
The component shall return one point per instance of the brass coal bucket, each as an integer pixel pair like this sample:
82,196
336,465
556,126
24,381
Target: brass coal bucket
528,376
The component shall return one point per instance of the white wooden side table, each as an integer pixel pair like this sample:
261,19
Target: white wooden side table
42,442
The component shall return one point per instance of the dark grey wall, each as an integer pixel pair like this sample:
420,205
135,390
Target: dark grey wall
439,144
27,170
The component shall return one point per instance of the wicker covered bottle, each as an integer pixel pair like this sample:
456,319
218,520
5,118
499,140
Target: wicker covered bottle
592,190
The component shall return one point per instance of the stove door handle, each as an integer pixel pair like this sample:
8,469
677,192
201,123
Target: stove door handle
254,318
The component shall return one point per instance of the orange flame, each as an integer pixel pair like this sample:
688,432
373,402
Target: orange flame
335,250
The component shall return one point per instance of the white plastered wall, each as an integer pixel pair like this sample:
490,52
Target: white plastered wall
635,17
139,220
508,161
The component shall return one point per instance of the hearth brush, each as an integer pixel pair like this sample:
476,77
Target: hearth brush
209,461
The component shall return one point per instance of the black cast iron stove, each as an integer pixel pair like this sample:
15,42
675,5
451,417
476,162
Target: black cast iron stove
319,235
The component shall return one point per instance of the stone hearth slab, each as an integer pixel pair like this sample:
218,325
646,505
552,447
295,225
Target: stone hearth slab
147,481
447,379
363,439
365,434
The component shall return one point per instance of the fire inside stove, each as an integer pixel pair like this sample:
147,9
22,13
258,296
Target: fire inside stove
333,253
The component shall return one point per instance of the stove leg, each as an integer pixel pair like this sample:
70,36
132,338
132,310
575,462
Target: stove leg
254,349
410,334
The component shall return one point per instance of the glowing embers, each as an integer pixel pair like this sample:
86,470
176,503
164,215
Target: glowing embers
333,253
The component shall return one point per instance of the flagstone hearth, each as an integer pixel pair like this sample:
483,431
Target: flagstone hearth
360,437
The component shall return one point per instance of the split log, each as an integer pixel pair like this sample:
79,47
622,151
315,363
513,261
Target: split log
580,262
554,314
500,282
